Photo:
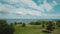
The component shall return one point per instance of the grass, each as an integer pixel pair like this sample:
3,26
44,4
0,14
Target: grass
32,29
56,31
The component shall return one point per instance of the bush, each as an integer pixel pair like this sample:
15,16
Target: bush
19,22
23,25
15,23
35,23
43,24
58,23
50,26
5,28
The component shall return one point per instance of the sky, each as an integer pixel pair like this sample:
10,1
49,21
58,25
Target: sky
29,9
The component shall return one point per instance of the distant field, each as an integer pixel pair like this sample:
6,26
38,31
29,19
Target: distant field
32,29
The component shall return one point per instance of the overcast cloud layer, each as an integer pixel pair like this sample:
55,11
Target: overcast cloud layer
29,9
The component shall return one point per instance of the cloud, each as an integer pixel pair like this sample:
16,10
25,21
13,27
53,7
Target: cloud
5,7
25,8
49,6
29,4
23,11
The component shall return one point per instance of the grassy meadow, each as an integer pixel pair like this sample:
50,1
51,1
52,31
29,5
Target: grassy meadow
32,29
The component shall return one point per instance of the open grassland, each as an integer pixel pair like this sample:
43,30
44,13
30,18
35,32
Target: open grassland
32,29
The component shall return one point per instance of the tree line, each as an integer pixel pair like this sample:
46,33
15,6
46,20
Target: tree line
9,28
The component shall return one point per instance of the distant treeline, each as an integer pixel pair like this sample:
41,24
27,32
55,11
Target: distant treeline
42,22
46,22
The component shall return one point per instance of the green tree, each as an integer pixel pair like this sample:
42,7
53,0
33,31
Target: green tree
20,23
5,28
23,25
58,23
35,23
49,26
15,23
43,24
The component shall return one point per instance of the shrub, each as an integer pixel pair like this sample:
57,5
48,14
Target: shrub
23,25
43,25
50,26
15,23
35,23
58,23
5,28
20,23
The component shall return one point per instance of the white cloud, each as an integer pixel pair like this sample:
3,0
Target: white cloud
47,6
5,7
30,5
54,3
23,11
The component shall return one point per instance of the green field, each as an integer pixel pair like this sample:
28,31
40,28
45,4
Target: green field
32,29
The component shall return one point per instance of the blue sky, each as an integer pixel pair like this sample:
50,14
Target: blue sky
29,9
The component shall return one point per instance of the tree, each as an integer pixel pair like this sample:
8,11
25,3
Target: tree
32,23
5,28
20,23
15,23
23,25
58,23
43,24
50,26
35,23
